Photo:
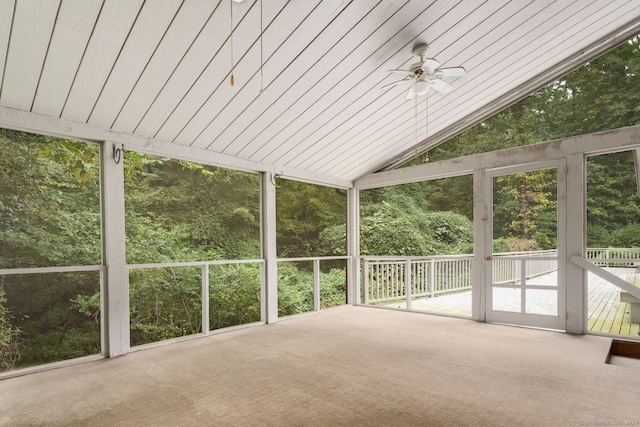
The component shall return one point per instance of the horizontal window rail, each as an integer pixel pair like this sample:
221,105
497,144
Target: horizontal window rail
194,263
44,270
319,258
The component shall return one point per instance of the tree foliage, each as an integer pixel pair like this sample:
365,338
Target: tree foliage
303,210
412,219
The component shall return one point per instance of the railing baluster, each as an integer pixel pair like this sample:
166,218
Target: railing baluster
407,282
432,277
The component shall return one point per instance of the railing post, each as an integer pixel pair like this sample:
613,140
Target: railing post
316,284
365,269
205,299
407,282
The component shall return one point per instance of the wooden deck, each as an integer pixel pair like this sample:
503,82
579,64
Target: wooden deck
606,314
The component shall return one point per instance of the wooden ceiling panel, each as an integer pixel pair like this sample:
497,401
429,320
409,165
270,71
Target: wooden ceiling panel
279,74
75,23
188,23
220,105
348,68
7,6
357,105
111,32
33,23
216,73
192,66
307,83
148,31
359,137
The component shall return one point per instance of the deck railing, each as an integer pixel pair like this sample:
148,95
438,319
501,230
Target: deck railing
386,278
614,257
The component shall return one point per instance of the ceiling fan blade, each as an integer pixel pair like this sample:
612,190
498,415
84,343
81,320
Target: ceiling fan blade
390,85
430,65
401,71
450,72
441,86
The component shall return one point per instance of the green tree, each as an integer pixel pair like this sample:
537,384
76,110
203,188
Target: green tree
525,207
303,211
612,198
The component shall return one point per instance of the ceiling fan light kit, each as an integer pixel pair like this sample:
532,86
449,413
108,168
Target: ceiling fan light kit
425,74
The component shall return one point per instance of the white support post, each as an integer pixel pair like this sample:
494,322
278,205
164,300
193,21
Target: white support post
576,277
480,217
353,246
316,284
268,243
205,299
114,300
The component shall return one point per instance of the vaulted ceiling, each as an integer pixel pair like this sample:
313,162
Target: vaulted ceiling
307,74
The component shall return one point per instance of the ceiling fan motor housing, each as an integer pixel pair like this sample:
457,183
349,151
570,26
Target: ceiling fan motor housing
420,51
416,69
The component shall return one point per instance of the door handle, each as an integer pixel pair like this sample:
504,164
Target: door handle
488,258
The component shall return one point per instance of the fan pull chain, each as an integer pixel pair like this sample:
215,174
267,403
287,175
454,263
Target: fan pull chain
231,81
261,54
416,114
426,129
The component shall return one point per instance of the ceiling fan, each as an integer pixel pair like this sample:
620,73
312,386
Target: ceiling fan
426,74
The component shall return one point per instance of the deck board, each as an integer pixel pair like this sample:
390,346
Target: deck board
606,314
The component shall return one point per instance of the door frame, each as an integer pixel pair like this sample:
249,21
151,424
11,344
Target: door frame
559,321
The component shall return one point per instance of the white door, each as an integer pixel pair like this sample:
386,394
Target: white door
525,262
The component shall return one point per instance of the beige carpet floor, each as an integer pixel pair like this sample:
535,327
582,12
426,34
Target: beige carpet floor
348,366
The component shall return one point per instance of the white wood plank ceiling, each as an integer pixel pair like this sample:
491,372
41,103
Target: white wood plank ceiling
161,70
